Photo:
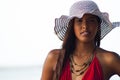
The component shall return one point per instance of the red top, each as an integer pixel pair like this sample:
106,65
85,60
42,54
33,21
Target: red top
94,71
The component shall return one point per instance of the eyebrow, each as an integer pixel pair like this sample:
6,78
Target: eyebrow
92,17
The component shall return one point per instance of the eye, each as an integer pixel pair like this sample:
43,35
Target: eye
79,20
91,20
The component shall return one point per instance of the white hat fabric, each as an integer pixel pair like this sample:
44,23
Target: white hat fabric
78,9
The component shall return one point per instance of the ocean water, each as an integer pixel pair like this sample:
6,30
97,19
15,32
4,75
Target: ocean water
27,73
20,73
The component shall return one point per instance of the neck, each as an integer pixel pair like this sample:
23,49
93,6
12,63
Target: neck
84,48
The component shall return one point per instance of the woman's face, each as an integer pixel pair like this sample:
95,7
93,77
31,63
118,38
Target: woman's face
86,28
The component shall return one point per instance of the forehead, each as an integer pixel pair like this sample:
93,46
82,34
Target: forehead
89,16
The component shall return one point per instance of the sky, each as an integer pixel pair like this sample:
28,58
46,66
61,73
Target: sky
27,29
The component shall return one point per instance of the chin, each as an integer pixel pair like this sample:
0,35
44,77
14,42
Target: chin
86,40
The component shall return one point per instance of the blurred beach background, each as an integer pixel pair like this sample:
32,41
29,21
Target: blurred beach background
27,34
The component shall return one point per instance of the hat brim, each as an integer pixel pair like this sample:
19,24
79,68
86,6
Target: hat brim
61,25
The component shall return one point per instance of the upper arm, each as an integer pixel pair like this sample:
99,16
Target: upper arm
115,63
49,64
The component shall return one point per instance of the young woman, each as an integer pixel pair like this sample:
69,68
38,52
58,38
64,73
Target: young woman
81,57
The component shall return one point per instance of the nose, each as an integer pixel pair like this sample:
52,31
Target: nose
84,25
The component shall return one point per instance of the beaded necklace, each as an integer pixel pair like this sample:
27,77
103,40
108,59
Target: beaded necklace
82,67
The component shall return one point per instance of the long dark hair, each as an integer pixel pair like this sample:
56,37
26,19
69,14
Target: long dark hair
69,40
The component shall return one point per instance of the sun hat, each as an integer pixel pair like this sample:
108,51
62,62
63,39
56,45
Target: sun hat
78,9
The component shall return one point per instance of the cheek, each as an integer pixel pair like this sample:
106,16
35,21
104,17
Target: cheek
77,27
76,30
94,30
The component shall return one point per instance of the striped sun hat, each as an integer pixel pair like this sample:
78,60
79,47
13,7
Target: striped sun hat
78,9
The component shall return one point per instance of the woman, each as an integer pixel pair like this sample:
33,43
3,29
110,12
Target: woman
81,57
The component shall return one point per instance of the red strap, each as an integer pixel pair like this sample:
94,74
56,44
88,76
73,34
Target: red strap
94,72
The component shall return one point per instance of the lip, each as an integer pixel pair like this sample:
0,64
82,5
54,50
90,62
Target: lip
85,33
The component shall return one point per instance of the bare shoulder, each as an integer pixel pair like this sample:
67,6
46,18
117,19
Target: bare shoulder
53,56
110,59
108,56
49,64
